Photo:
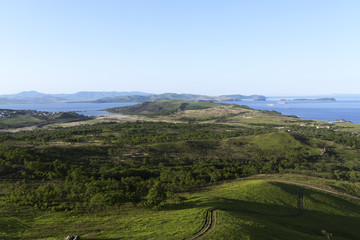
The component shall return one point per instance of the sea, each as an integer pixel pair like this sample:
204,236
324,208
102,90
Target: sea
347,108
344,108
84,108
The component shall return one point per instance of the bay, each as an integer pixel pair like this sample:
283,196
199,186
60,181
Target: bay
86,108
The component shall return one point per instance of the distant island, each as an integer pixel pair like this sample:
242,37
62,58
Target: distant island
311,99
32,97
183,97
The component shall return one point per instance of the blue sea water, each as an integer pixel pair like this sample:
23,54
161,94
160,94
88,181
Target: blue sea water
343,108
87,109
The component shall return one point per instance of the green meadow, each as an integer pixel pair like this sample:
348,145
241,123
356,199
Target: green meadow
246,209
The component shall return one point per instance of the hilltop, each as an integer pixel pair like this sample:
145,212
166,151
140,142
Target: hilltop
164,107
207,112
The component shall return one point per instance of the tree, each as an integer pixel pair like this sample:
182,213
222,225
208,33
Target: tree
156,197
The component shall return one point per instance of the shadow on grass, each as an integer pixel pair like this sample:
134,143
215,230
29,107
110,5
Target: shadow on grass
344,225
230,204
308,226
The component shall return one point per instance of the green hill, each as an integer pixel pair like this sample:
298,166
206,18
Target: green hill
284,142
245,209
163,107
277,141
178,110
28,118
270,210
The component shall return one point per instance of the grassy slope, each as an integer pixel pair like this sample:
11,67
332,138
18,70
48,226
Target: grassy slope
230,114
163,107
125,223
352,188
348,127
176,110
20,120
283,142
280,141
322,212
250,206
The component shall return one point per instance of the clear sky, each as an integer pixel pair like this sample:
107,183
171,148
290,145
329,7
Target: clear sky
269,47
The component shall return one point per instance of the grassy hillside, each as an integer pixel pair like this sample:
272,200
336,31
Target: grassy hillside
278,140
175,110
267,210
284,142
163,107
26,118
247,209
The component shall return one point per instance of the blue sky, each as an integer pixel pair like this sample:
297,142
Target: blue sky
269,47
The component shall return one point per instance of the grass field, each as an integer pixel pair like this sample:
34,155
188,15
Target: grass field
247,209
123,223
260,207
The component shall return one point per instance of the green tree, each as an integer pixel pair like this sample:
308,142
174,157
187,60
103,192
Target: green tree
156,197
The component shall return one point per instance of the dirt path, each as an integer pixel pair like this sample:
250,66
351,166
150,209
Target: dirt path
209,224
210,220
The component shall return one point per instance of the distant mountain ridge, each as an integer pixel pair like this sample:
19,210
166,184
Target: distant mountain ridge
183,97
31,97
88,96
